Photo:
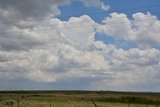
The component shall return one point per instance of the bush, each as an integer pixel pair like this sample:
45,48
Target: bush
10,102
131,100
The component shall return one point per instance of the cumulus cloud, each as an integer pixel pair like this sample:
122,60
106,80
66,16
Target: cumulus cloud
96,3
59,51
66,53
13,10
56,55
139,57
32,12
143,29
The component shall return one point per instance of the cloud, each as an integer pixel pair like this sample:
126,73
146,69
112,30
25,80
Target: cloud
13,10
54,55
96,3
23,14
74,29
61,52
19,39
142,30
139,57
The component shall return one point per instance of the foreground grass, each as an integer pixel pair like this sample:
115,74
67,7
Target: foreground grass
78,99
72,104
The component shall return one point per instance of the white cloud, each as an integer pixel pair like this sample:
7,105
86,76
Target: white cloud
96,3
56,56
68,50
148,29
117,25
83,58
143,29
73,30
139,57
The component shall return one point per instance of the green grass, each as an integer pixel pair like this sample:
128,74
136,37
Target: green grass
130,100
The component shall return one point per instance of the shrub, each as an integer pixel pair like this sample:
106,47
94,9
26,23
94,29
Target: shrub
10,102
131,100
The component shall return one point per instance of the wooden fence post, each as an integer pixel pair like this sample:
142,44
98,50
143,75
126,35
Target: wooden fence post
94,103
128,105
18,102
50,103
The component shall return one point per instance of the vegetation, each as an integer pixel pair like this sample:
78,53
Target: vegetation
78,99
9,102
130,100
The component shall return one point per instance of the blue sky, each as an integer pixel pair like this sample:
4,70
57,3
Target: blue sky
128,7
80,45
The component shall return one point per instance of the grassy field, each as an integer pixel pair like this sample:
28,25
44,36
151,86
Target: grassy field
78,99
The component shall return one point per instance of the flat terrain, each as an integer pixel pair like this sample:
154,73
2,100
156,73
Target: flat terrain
78,99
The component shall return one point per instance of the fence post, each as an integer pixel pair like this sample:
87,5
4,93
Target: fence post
128,105
18,102
50,103
94,103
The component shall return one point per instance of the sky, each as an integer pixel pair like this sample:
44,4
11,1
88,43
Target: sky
80,45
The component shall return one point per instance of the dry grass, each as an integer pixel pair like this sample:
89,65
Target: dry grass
72,104
68,99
